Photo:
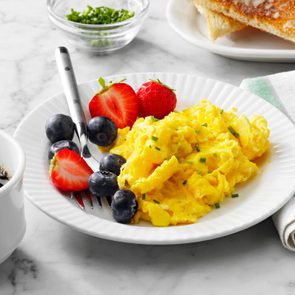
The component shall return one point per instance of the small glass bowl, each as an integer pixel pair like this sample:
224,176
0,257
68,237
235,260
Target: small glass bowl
98,38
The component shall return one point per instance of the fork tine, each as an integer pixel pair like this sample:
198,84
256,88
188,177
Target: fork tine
109,199
99,201
88,196
79,199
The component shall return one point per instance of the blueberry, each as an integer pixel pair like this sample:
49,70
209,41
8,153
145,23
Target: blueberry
102,131
103,183
59,127
124,206
112,163
60,145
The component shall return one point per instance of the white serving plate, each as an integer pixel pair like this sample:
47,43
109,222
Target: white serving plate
259,198
248,44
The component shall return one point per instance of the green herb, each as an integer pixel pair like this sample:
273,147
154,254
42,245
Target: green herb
143,196
185,182
150,146
99,16
203,160
157,202
126,182
205,124
235,195
154,138
221,112
217,205
153,119
157,148
189,162
233,132
197,147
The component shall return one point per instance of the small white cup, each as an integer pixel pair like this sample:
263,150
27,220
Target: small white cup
12,217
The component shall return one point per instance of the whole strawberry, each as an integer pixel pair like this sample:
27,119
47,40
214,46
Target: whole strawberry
155,99
116,101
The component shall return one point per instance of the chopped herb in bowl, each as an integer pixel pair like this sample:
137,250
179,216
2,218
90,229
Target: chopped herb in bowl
98,28
100,15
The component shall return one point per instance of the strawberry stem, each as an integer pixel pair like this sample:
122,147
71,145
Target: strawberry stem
105,85
161,83
102,82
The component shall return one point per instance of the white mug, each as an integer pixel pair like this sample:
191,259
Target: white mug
12,217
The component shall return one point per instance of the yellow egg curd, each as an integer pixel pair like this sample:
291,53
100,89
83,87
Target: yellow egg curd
184,165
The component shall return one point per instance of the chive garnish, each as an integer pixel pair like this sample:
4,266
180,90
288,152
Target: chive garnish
221,112
143,196
203,160
154,138
233,132
217,205
205,125
157,202
235,195
99,15
157,148
197,147
189,162
126,182
153,119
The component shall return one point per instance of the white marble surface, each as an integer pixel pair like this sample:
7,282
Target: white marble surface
54,259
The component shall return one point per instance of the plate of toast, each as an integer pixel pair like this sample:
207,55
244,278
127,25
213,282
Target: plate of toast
254,30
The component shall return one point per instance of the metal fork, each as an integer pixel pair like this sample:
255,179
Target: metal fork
71,92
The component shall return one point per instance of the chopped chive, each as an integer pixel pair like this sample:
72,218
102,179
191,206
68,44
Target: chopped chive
185,182
157,148
205,125
203,160
126,182
221,112
143,196
216,205
153,119
197,147
154,138
233,132
157,202
235,195
189,162
150,146
99,15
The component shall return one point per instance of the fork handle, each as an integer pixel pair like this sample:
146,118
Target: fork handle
71,92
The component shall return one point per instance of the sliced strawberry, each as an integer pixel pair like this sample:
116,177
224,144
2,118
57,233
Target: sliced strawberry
69,171
117,101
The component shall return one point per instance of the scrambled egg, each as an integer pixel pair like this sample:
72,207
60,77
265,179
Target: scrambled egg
183,166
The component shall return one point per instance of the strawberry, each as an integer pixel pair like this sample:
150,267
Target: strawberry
69,171
155,99
117,101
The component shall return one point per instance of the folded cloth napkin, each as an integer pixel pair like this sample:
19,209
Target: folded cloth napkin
279,90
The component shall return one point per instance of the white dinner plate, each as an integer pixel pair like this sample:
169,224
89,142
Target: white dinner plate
247,44
259,198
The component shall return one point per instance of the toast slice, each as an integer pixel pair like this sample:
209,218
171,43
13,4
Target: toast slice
273,16
219,25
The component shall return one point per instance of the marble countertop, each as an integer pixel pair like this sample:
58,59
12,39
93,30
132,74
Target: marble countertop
54,259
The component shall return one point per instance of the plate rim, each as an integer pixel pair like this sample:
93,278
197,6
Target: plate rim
239,53
173,241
